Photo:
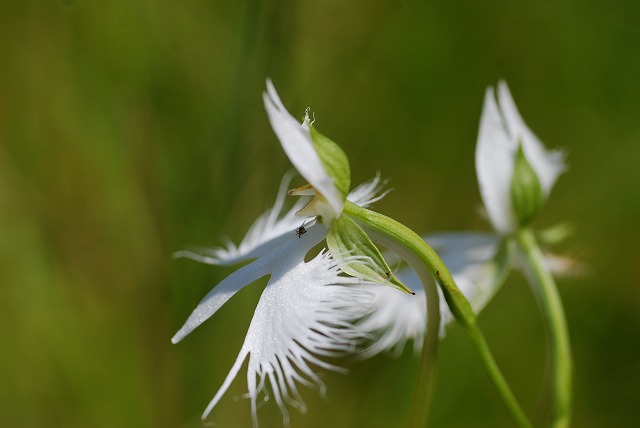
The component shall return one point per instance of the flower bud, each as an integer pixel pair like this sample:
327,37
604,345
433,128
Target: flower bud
526,192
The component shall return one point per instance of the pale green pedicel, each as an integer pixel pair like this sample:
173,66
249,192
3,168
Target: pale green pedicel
553,312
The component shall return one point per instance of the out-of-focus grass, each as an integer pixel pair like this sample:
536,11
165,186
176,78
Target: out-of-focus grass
129,130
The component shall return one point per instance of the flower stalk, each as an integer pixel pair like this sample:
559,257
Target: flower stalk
545,289
417,252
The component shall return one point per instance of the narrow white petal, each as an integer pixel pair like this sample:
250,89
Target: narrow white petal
273,260
295,139
495,151
548,164
400,317
270,230
369,192
304,313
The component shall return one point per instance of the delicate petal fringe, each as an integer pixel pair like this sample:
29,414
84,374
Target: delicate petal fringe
399,317
295,139
271,229
369,192
305,313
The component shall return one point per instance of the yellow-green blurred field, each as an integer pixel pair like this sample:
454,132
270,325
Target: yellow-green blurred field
129,130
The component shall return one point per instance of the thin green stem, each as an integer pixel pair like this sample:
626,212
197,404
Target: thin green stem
423,395
417,252
558,334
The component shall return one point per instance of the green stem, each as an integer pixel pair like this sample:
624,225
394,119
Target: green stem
423,395
418,253
558,335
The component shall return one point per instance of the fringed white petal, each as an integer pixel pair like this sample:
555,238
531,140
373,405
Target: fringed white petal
277,258
271,229
502,129
369,192
304,313
295,139
399,317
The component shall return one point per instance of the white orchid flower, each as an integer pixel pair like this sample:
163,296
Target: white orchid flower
479,262
307,309
502,132
516,174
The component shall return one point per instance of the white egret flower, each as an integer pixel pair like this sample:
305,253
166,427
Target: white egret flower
502,132
478,262
307,309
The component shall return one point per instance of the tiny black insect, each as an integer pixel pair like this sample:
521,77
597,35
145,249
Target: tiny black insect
301,231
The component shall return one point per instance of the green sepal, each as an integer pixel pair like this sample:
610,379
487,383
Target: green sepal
526,192
556,233
334,160
345,240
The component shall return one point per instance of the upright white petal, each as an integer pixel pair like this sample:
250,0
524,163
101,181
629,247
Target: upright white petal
295,139
501,131
399,317
495,152
304,313
277,259
270,230
548,164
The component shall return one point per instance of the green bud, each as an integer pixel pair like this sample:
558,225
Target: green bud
526,192
334,160
358,256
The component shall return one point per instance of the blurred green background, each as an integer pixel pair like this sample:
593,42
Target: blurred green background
129,130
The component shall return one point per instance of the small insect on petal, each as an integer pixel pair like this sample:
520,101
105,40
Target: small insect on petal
301,230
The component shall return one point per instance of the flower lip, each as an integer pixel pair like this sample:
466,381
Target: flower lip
304,314
297,143
399,317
